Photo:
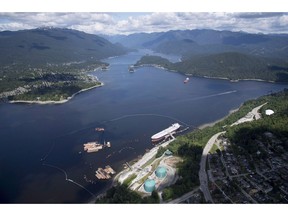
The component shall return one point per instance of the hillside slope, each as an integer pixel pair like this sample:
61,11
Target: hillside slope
230,65
188,43
50,63
53,45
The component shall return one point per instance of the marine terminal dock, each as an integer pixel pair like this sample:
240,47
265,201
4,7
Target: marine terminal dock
104,173
95,147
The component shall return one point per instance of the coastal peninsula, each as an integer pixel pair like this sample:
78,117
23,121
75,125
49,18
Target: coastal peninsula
51,65
231,66
61,101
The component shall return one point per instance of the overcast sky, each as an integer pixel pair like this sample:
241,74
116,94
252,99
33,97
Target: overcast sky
111,17
127,23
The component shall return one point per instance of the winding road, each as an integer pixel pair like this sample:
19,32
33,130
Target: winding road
253,115
202,172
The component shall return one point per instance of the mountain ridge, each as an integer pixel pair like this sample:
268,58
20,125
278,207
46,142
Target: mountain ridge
54,45
209,41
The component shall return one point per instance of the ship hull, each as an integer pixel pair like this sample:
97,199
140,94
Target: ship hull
164,134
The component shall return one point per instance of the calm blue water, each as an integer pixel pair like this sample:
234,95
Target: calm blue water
41,145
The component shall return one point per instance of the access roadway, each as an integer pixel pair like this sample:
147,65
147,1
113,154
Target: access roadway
202,172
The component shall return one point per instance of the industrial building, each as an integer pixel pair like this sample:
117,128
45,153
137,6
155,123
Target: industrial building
149,185
161,172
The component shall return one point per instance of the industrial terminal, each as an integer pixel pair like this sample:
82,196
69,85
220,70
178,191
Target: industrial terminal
151,173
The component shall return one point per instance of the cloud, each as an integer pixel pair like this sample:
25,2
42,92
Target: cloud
62,20
258,15
127,23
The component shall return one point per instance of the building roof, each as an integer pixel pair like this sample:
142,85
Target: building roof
161,172
150,183
269,112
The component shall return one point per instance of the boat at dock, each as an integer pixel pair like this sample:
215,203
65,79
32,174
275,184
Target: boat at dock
104,173
95,146
108,144
165,133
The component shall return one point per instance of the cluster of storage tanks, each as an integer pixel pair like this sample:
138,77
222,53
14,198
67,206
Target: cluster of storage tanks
149,184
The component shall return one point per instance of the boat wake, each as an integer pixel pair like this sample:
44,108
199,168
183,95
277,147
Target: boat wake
219,94
170,117
209,96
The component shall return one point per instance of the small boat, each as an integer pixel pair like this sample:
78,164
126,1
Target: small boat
131,69
99,129
186,80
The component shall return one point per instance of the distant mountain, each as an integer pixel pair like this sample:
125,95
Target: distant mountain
134,40
54,45
189,43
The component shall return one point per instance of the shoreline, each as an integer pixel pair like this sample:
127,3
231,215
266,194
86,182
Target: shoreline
207,77
234,80
210,124
56,102
144,158
201,127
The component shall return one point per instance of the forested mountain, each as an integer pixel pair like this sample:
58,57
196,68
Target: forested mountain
53,45
189,43
233,65
222,54
50,63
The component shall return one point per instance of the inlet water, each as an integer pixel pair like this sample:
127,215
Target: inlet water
41,149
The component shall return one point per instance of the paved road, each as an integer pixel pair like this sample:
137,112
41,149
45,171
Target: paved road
202,172
184,197
250,116
256,113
